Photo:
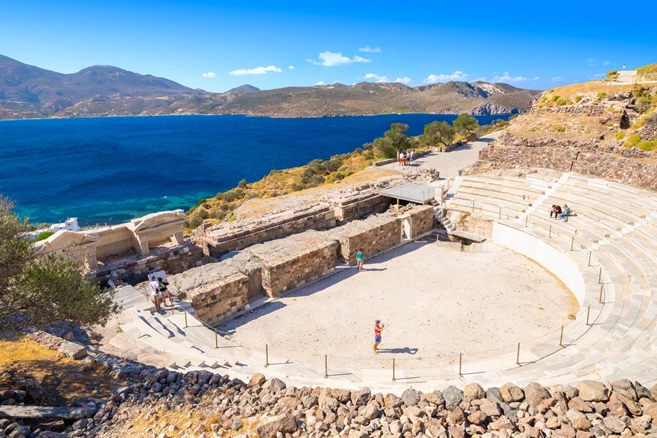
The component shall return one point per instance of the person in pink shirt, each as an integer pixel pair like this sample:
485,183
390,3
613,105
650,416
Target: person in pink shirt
378,328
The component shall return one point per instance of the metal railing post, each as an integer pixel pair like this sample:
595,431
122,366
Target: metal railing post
526,219
561,338
393,370
326,366
588,313
266,355
572,243
518,355
216,338
500,215
601,288
473,203
600,276
590,252
460,364
550,232
185,312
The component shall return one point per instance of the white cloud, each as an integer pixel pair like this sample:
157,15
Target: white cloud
291,67
209,74
556,79
255,71
456,76
508,78
376,78
320,83
404,80
368,49
330,59
606,63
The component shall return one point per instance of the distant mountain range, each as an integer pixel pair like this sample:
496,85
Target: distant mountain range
31,92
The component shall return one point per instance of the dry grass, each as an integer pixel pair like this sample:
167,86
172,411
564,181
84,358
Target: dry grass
570,91
64,380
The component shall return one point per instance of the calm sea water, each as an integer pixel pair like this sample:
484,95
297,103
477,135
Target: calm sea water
109,170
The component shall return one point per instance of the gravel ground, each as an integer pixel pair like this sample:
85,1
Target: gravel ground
434,300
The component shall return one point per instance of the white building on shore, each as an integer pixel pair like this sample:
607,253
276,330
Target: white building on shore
71,224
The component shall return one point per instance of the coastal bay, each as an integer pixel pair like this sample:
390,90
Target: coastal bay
109,170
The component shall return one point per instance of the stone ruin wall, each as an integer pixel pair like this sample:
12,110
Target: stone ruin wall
174,261
315,257
280,265
351,210
221,299
422,220
632,171
227,237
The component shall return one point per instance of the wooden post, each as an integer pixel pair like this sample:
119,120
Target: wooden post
588,313
216,339
561,337
266,355
518,355
185,318
326,366
590,252
601,288
572,243
393,370
600,276
460,363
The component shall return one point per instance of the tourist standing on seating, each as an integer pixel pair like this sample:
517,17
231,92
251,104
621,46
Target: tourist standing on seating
155,292
164,292
566,212
378,328
360,259
556,211
402,159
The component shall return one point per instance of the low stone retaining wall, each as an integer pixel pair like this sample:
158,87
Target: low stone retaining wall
421,220
173,261
221,298
371,236
640,173
357,207
294,261
221,239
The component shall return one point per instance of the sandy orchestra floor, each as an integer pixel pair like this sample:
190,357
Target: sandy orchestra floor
434,300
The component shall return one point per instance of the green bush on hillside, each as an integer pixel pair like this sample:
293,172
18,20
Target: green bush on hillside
633,140
559,128
578,98
602,95
43,236
647,145
562,101
620,135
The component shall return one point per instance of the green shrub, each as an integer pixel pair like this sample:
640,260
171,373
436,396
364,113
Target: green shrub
562,101
578,98
560,128
587,131
201,202
555,98
633,140
44,236
620,135
532,129
242,184
647,145
232,218
602,95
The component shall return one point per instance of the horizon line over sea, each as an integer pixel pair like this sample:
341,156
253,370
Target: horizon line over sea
108,170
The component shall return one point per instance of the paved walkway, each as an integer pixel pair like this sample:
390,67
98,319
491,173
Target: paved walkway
449,163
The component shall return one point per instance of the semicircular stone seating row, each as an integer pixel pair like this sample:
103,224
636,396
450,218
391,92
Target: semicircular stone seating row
614,232
615,227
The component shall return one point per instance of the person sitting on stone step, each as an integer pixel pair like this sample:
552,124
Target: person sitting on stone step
566,213
556,211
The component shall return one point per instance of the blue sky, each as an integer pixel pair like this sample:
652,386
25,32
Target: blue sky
217,45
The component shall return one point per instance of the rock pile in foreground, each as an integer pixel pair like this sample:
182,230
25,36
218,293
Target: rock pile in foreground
202,404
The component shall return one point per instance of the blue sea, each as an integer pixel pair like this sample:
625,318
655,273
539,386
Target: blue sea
109,170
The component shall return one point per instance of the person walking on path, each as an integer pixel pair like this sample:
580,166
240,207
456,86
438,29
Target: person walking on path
378,328
360,259
155,292
164,292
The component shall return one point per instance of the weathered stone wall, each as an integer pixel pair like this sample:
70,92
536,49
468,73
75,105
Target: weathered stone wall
135,270
294,261
221,239
421,220
220,299
372,236
357,207
640,173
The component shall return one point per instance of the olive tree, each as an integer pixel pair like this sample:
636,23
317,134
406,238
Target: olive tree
48,288
436,133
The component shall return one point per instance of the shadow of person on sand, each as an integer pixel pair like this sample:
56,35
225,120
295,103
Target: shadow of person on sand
374,269
405,350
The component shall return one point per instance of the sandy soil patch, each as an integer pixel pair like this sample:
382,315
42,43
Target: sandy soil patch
434,300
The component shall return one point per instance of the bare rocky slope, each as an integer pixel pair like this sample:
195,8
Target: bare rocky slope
30,92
